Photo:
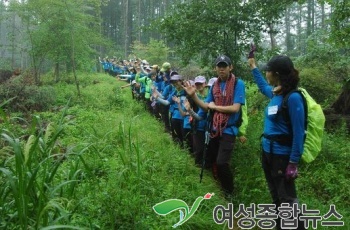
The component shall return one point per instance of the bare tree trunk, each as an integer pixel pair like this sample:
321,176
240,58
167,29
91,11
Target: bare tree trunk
73,65
34,63
13,41
73,57
299,31
342,104
57,72
289,44
139,22
272,35
310,17
126,29
323,26
130,28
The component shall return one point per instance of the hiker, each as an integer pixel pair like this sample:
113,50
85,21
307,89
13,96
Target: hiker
176,118
186,127
165,89
158,86
105,63
280,161
187,122
224,100
147,81
198,119
135,91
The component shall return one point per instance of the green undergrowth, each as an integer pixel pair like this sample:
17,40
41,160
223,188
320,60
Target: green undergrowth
115,163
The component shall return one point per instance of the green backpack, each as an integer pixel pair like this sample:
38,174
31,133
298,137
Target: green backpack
314,124
242,129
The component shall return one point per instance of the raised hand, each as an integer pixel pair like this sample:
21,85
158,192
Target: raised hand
176,99
252,50
187,105
190,90
155,94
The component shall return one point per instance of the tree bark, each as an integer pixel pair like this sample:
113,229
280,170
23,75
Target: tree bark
342,104
272,35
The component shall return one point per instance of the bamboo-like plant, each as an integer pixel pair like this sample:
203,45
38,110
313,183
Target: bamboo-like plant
33,192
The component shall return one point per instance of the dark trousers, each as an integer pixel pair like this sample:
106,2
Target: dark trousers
156,112
220,152
148,105
198,146
164,112
188,138
176,131
281,190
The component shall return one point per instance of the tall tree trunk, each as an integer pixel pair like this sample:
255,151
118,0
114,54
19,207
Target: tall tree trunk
300,31
130,28
73,65
139,22
13,63
323,16
309,20
289,43
126,27
57,72
342,104
272,35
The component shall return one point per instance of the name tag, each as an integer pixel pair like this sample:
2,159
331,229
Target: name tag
271,110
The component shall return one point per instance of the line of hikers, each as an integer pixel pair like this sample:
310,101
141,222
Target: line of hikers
184,107
115,67
207,117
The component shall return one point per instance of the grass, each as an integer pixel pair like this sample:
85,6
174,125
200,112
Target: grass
100,161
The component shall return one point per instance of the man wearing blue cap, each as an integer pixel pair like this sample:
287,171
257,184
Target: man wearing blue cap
224,101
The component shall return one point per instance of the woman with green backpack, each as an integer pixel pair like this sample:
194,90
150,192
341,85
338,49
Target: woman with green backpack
282,140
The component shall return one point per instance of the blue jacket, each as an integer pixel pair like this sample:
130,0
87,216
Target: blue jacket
201,125
174,110
275,124
238,97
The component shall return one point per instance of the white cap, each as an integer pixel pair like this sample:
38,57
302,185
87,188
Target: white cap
175,77
200,79
133,82
212,81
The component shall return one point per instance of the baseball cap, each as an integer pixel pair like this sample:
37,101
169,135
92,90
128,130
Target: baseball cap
144,62
133,82
175,77
212,81
173,73
200,79
280,64
154,66
166,66
223,59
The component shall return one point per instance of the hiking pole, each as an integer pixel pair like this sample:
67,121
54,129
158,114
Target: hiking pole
206,143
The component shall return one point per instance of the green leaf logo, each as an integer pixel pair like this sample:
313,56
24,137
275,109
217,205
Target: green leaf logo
168,206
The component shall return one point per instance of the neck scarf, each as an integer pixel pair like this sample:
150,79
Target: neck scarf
222,97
